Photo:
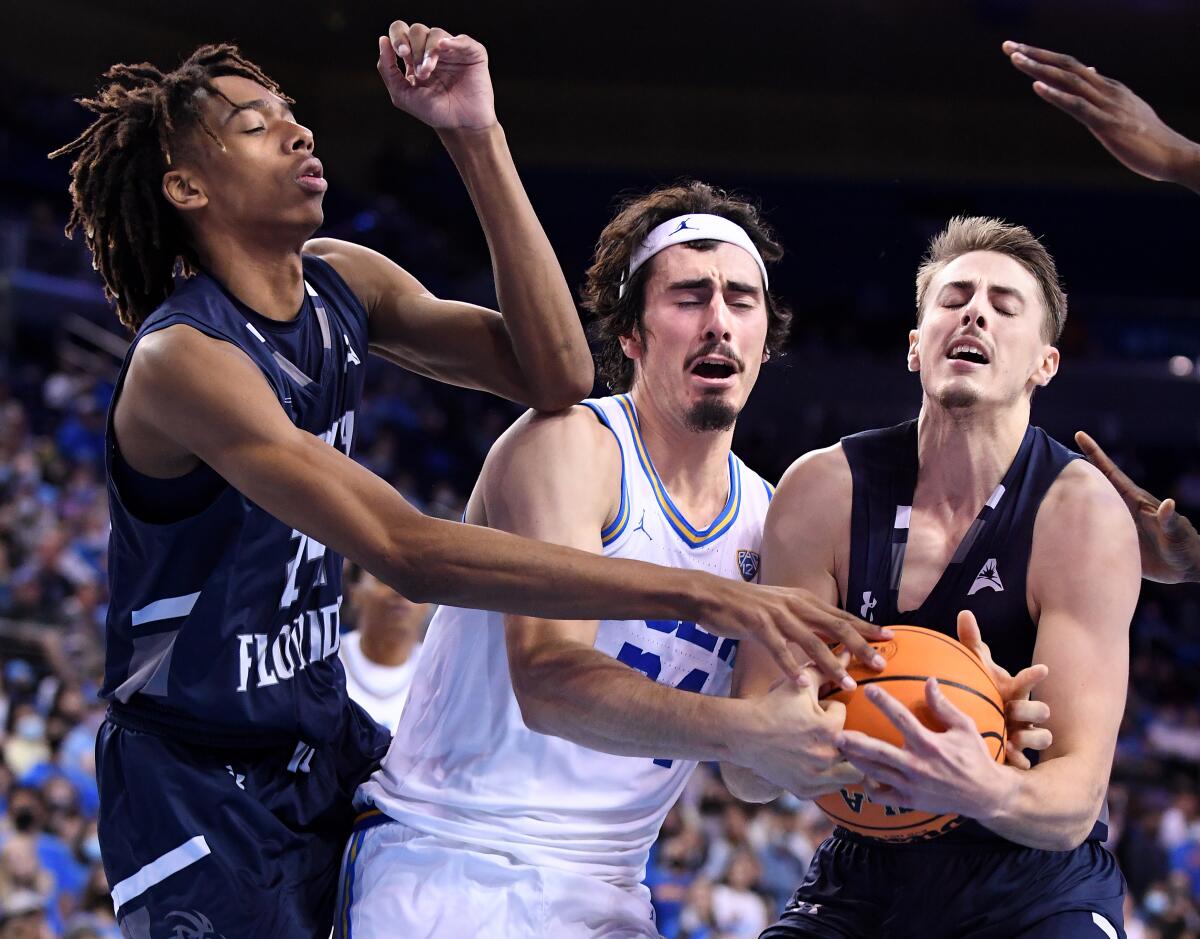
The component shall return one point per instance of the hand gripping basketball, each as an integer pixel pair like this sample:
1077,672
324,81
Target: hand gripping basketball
930,749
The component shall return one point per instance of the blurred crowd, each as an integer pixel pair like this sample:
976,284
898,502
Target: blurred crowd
721,870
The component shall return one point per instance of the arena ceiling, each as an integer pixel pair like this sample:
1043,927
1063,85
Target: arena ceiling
912,89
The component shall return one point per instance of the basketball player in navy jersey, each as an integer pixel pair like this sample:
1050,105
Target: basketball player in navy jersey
1129,129
969,520
231,750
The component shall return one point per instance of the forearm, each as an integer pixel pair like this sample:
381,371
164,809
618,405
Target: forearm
539,312
481,568
583,695
1052,806
747,785
1187,166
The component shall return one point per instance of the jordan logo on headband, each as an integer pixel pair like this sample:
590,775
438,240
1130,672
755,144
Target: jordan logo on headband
685,228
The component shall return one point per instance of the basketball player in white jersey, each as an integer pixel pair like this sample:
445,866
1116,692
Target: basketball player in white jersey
536,759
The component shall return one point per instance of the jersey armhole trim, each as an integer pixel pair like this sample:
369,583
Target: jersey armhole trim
614,529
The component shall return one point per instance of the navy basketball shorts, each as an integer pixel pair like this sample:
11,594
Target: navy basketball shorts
989,890
228,843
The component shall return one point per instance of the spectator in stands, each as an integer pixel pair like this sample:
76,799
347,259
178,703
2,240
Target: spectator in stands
380,655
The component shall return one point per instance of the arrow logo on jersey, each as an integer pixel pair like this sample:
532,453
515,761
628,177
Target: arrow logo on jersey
988,576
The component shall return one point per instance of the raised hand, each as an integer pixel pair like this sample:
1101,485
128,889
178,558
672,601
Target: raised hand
1021,714
440,79
943,772
1169,543
1125,124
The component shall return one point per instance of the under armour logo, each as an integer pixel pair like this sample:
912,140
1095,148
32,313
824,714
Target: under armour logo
683,226
868,605
988,576
238,778
642,526
195,925
351,357
301,761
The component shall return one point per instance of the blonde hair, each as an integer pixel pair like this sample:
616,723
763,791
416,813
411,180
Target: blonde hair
976,233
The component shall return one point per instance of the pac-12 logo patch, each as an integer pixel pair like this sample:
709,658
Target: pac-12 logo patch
748,562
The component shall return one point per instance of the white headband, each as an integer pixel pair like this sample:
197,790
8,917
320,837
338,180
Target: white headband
683,228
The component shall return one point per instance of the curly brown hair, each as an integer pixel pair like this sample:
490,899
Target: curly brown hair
616,315
138,242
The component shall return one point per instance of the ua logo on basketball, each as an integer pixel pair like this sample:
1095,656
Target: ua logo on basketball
988,576
683,226
868,605
194,925
748,562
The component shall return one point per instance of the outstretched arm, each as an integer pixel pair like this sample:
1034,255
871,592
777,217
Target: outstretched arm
1125,124
200,398
534,350
1169,543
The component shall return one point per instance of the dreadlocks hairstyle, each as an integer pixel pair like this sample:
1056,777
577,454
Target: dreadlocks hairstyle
616,314
138,241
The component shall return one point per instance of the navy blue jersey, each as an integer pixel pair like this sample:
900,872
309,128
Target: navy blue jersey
987,573
223,622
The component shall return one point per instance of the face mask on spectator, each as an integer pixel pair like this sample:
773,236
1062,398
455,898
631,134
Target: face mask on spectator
31,727
91,848
24,819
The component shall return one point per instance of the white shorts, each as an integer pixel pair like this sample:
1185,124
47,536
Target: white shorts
398,882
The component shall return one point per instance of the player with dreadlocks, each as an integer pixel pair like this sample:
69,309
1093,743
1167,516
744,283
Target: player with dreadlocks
230,750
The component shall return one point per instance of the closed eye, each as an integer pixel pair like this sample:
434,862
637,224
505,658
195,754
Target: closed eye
255,130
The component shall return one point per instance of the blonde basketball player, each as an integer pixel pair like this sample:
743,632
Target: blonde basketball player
537,758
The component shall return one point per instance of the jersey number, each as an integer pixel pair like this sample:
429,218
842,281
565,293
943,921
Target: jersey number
307,549
650,664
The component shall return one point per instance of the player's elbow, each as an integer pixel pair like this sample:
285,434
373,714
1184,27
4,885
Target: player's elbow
1068,838
565,390
746,785
533,674
535,708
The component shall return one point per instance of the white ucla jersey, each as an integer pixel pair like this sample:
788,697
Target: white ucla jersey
464,766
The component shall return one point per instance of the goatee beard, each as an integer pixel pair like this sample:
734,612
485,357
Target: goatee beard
956,399
710,414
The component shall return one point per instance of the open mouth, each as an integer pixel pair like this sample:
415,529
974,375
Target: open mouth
713,369
968,352
312,176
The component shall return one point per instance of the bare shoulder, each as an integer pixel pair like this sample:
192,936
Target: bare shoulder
566,443
552,472
818,482
1081,498
171,358
369,274
1083,529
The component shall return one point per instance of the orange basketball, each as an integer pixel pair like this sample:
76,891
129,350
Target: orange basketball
912,656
